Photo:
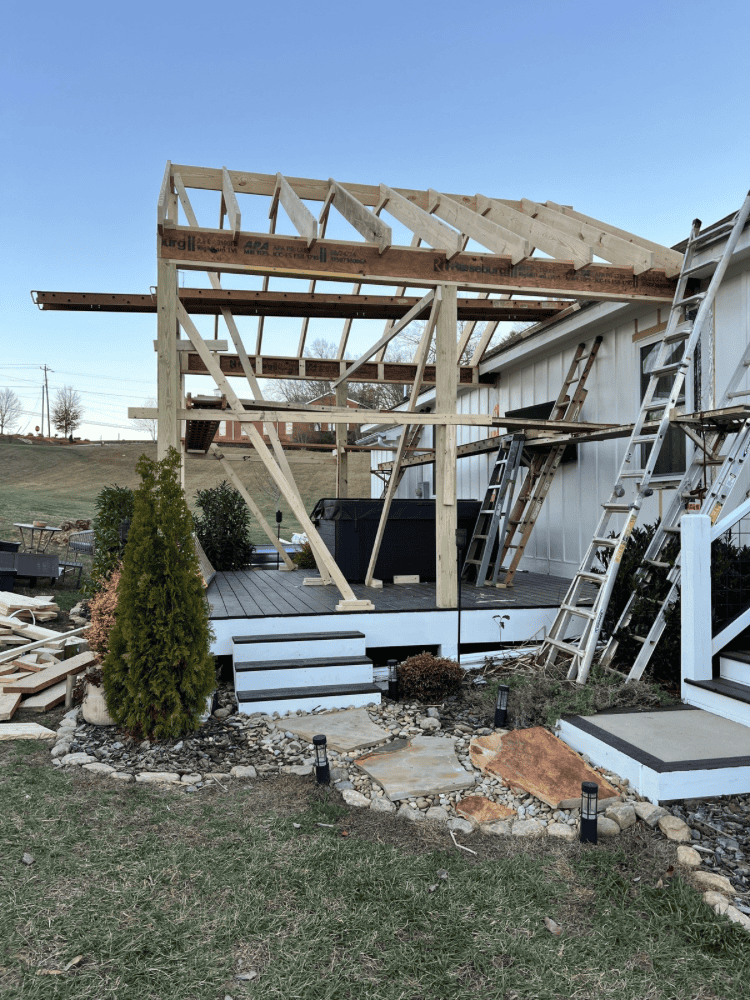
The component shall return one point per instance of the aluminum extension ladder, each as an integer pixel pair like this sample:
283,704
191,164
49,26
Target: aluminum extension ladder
544,464
411,442
687,316
494,510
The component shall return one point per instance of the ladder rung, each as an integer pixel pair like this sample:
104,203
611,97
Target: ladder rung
593,577
565,646
698,297
637,474
697,267
741,392
611,542
643,439
657,564
678,335
480,536
668,369
638,638
573,609
673,531
617,507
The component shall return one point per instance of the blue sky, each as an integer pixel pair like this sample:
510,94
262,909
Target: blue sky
635,114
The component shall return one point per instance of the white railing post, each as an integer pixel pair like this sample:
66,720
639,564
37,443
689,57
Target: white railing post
695,598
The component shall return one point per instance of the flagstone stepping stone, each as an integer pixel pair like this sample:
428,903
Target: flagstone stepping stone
351,730
482,810
25,731
537,762
425,766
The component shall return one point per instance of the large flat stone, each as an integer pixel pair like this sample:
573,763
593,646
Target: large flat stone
350,730
425,766
25,731
537,762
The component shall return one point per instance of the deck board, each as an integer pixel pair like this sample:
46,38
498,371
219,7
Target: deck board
269,593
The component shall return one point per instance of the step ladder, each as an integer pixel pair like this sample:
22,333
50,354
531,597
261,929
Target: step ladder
413,439
544,463
491,522
675,352
657,566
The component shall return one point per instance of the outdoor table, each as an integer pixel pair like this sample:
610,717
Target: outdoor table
43,536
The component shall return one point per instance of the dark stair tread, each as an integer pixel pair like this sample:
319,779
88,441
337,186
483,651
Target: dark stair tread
286,694
330,661
730,689
736,654
297,636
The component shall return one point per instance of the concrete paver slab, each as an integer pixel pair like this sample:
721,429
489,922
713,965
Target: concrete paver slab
678,735
345,731
426,766
25,731
537,762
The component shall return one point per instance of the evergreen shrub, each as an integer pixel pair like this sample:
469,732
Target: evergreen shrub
222,527
159,669
304,558
113,506
429,678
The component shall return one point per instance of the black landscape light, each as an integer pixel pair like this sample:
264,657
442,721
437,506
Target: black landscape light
322,770
393,680
460,546
501,706
589,809
279,516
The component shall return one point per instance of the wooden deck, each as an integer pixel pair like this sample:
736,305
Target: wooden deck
268,593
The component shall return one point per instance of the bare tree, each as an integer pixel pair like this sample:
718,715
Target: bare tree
67,410
10,410
147,424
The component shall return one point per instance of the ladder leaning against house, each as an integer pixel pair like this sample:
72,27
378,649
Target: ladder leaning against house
674,355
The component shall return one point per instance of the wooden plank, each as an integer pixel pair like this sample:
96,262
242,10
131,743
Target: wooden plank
51,675
230,203
59,642
367,224
414,313
327,369
8,705
549,240
423,225
302,218
496,238
446,507
27,629
45,700
333,260
10,679
167,363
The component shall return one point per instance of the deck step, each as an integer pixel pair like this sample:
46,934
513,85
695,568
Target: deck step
264,675
307,699
726,688
734,665
287,646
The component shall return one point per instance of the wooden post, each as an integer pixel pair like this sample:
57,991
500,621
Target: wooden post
342,455
695,594
446,507
167,365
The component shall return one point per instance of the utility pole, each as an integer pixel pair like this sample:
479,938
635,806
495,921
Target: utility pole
45,369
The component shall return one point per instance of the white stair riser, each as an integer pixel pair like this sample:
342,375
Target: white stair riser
718,704
269,680
294,649
308,704
734,670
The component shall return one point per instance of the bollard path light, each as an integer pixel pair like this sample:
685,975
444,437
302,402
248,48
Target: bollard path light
589,810
501,706
322,770
393,680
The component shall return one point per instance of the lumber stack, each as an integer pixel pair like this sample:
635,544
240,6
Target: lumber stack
44,608
36,680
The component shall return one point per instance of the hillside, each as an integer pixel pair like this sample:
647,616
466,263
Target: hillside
51,483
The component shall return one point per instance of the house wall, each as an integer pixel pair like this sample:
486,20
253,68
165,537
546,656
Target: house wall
533,373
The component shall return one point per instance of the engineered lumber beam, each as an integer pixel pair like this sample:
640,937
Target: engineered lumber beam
496,238
334,260
414,313
421,223
247,302
302,218
367,224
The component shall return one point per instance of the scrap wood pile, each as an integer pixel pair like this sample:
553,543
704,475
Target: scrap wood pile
29,609
37,679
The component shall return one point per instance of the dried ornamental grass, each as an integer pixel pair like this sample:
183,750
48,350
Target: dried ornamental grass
428,677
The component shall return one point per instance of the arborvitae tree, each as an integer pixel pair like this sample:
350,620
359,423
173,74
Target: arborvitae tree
159,670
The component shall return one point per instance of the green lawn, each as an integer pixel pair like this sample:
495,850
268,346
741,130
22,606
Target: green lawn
171,897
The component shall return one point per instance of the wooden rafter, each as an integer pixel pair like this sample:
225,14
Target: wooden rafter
477,227
421,223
